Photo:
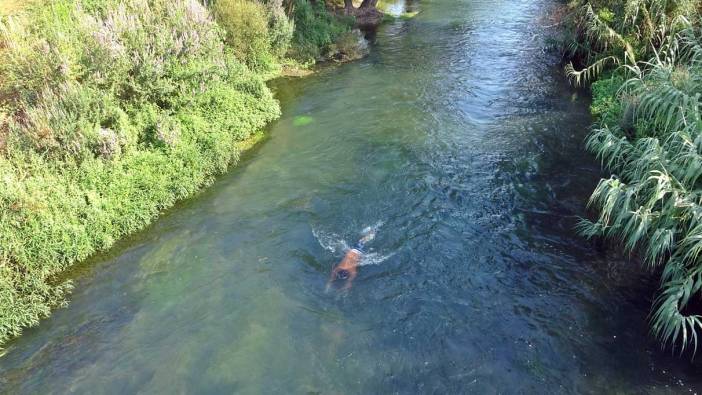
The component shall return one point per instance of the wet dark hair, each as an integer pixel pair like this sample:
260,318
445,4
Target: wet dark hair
342,274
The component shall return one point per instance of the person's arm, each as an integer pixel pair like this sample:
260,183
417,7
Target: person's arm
331,277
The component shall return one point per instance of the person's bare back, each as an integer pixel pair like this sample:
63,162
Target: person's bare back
347,269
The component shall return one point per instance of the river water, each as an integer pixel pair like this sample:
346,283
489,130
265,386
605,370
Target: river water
460,141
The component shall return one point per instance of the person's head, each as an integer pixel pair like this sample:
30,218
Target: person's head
342,274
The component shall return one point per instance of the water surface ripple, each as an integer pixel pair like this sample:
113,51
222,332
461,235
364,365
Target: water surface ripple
459,134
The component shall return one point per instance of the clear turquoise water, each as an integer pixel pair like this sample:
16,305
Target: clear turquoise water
459,135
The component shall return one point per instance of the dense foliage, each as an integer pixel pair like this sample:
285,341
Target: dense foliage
649,135
111,111
316,31
258,34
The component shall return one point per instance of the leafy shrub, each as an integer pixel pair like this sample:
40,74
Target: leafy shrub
606,15
606,104
246,23
649,136
110,111
606,33
315,30
349,46
281,29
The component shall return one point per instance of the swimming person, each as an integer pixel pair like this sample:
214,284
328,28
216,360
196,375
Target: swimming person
346,270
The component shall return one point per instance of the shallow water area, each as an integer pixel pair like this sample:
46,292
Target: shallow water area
460,137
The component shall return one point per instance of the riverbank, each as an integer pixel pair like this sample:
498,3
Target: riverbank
642,61
110,112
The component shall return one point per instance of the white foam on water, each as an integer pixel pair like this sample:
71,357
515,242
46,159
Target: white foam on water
331,242
374,258
335,244
372,229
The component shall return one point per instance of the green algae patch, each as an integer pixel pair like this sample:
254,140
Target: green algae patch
302,120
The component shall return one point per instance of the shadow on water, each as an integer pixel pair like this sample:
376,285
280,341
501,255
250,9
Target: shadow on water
462,138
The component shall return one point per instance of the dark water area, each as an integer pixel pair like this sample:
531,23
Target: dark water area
460,140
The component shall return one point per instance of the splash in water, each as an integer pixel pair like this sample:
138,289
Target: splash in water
374,258
331,242
337,245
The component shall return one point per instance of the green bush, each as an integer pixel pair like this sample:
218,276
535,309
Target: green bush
349,46
649,136
246,23
281,28
110,111
606,105
315,30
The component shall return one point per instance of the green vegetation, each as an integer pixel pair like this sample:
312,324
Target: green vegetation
302,120
258,34
111,111
316,31
246,24
649,135
11,6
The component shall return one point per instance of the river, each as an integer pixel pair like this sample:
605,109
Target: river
457,138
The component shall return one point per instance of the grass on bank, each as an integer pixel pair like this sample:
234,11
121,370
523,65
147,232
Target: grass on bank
8,7
113,110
